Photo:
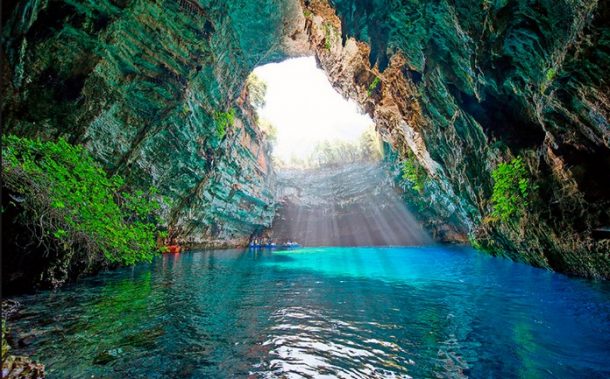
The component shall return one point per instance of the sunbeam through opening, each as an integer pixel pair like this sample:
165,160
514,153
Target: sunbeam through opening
329,164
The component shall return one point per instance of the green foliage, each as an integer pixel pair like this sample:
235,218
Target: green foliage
223,121
511,189
5,346
474,242
370,145
257,90
331,153
414,173
548,78
269,129
550,74
76,205
373,86
329,34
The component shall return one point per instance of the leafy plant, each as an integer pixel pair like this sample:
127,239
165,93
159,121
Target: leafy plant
474,242
223,121
511,189
257,90
414,173
550,74
329,34
373,86
71,205
269,129
548,78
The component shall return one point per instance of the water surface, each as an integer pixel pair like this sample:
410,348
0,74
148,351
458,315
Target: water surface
323,312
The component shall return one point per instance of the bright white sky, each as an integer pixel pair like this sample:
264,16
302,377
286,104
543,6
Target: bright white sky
305,109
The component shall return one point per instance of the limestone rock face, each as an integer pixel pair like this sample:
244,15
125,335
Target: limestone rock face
353,205
143,84
455,88
459,87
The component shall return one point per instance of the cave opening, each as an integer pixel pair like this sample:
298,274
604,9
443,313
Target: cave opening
328,163
309,123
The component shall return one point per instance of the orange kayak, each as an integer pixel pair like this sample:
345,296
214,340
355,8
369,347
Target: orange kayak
174,249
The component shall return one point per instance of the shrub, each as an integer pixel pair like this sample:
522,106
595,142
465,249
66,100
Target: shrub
268,128
414,173
511,189
223,121
550,74
328,37
373,86
474,242
257,90
71,205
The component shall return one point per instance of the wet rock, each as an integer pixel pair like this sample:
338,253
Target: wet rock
10,308
107,356
21,367
14,367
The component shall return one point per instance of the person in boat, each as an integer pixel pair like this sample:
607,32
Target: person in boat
290,243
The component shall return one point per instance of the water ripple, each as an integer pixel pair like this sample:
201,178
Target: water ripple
307,343
399,313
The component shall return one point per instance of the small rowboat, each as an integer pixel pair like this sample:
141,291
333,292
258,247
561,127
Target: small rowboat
174,249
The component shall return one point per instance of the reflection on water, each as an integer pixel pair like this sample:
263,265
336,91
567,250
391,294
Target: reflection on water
324,312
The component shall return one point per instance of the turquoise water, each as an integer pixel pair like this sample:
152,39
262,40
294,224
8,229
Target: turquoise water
322,312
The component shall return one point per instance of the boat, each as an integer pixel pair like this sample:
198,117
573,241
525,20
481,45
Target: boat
289,245
256,244
174,249
267,245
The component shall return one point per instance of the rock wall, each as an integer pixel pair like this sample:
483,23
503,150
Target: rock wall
352,205
145,86
459,87
455,89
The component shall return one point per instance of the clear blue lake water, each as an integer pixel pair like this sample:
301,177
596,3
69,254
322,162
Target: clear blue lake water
421,312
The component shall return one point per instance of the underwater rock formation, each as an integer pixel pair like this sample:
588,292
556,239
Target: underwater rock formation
456,89
14,367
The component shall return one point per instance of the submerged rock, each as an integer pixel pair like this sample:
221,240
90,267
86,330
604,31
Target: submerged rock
21,367
105,357
14,367
10,308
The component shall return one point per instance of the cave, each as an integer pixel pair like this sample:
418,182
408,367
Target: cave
144,203
328,163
